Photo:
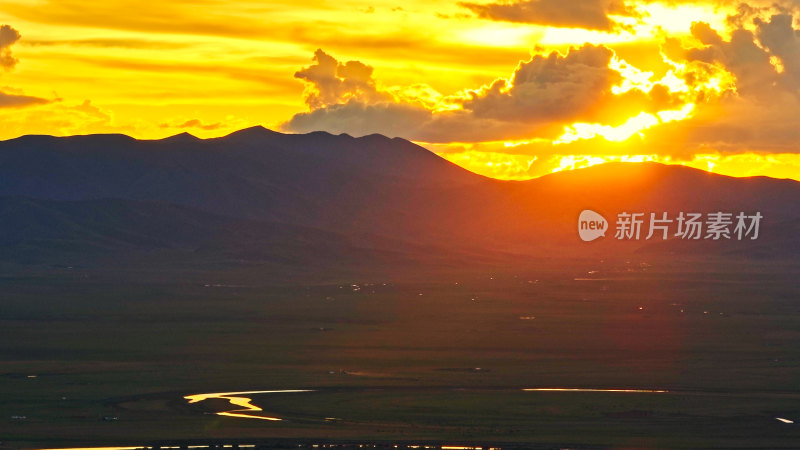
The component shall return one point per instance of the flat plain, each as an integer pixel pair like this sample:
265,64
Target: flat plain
96,358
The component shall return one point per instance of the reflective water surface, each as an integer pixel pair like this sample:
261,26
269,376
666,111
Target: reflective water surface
245,403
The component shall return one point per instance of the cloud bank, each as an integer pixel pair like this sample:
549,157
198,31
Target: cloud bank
9,97
588,14
729,90
8,37
541,97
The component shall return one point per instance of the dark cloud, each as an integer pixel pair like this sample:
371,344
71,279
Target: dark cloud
551,87
464,126
741,56
783,42
332,82
9,97
8,37
549,92
407,120
359,118
745,12
8,100
734,125
589,14
543,94
765,62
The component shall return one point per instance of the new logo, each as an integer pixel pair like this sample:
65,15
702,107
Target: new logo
591,225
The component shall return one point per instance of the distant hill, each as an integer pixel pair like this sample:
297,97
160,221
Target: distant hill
262,195
114,231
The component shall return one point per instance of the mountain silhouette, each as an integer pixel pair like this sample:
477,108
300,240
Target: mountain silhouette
257,194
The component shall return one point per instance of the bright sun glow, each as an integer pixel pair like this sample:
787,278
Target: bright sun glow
676,18
656,19
707,82
634,126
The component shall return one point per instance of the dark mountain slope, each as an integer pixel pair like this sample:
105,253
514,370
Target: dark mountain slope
371,189
115,231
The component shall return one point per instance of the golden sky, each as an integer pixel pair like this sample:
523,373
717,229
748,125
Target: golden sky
510,89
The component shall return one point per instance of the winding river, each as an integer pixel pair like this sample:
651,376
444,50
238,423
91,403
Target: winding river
247,408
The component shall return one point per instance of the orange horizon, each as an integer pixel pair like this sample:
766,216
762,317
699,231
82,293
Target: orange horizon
503,92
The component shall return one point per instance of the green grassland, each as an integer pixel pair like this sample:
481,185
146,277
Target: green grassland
396,357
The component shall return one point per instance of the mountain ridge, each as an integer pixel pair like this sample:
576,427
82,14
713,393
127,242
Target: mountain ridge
370,189
259,131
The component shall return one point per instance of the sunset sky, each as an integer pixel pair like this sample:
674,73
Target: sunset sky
509,89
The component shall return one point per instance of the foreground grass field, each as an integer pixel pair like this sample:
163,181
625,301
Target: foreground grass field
90,358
